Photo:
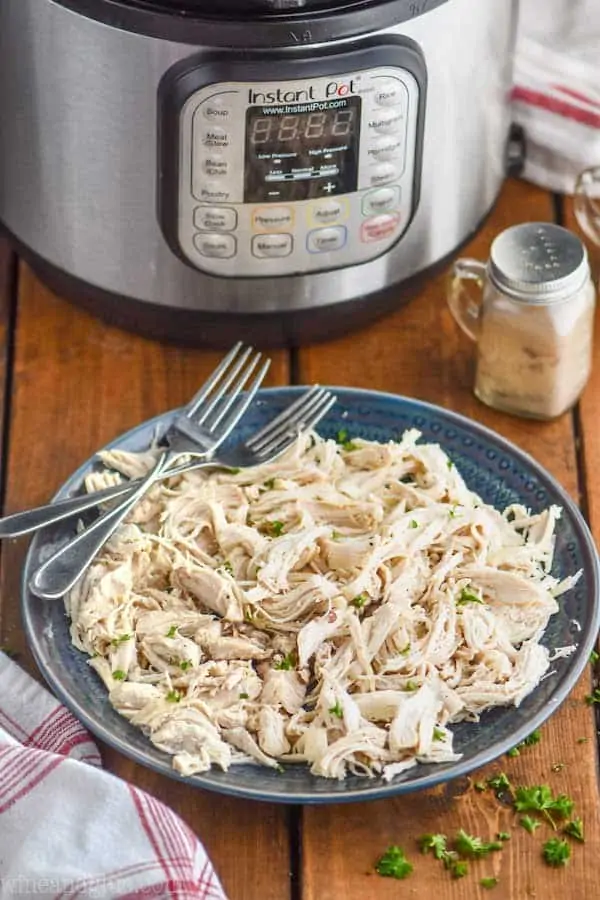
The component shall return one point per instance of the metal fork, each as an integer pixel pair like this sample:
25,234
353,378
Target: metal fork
197,431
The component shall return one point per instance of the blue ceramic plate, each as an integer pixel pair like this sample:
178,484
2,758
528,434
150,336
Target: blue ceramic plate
492,467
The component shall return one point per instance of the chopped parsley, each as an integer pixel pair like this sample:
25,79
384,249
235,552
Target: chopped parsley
405,650
480,786
529,824
244,696
468,596
342,436
288,662
336,710
503,836
172,631
439,735
534,738
270,484
174,696
575,830
228,567
393,864
458,868
582,740
435,844
488,883
414,523
450,464
594,697
119,675
275,528
540,799
556,852
411,686
594,657
474,847
558,767
185,664
360,601
121,639
12,654
499,782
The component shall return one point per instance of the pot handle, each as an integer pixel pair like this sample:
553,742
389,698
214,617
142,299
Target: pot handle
587,203
465,305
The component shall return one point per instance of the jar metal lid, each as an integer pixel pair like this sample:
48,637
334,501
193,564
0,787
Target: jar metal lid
538,262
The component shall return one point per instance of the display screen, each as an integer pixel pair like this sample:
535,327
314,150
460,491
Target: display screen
297,152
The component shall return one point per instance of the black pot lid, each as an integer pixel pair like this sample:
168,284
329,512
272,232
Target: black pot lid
224,9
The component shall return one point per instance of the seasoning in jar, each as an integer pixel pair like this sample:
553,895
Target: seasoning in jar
532,319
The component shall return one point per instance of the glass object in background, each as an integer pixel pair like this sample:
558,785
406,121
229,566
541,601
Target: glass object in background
530,310
587,203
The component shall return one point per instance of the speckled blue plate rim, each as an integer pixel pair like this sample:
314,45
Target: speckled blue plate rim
430,778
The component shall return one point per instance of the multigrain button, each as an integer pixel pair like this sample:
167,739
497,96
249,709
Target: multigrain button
389,92
267,246
383,174
272,218
380,200
222,246
385,148
323,240
328,212
214,110
213,218
379,228
386,121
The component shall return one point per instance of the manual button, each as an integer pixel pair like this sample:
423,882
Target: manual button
323,240
267,246
272,218
214,218
222,246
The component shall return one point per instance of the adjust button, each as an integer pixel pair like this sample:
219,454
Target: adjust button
272,218
222,246
380,200
390,92
328,212
267,246
214,218
323,240
379,228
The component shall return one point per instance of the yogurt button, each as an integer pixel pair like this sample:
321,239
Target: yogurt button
381,200
222,246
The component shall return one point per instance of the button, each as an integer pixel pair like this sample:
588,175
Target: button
215,165
214,110
212,218
323,240
379,228
386,121
272,218
383,174
390,92
327,212
380,201
215,137
386,147
220,245
272,245
212,192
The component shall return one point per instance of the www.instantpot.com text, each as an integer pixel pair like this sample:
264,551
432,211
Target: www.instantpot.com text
303,107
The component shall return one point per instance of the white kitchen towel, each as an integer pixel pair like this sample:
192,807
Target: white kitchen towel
556,95
68,829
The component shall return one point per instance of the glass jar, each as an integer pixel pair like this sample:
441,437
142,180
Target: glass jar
531,318
587,203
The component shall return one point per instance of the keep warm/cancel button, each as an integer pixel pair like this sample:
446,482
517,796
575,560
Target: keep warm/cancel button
378,228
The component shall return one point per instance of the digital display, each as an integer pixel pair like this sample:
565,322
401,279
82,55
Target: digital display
299,152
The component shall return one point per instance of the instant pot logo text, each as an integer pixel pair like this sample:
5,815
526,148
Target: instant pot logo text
332,90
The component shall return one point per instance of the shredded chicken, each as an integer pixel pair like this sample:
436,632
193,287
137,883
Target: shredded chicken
341,607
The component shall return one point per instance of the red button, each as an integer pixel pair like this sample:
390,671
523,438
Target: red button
379,228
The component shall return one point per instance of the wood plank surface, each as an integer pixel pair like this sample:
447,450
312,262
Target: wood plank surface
420,352
77,384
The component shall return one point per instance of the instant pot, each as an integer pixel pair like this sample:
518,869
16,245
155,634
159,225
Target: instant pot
279,170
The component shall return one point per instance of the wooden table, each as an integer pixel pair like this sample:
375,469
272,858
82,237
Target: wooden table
71,383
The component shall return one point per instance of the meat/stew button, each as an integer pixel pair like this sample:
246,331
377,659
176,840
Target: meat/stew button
378,228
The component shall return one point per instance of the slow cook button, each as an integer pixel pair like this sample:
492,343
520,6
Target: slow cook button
222,246
322,240
212,218
385,148
379,228
272,219
390,92
266,246
327,212
380,200
383,174
386,121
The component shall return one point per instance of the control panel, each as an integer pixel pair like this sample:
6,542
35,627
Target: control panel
299,176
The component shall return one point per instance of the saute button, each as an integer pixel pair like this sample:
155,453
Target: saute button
383,174
272,219
214,218
323,240
381,200
385,148
386,121
271,245
390,92
379,228
327,212
220,245
214,110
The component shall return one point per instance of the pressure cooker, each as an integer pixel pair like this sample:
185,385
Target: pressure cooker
280,170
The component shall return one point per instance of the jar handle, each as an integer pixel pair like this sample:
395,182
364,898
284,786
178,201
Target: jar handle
464,305
587,203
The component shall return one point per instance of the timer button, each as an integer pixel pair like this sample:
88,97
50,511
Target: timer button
214,110
390,92
383,174
222,246
386,121
323,240
212,218
385,148
380,201
272,218
328,212
268,246
379,228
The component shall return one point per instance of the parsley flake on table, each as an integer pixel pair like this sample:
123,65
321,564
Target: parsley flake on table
499,782
287,663
503,836
468,596
433,843
474,847
119,675
556,852
337,710
540,799
488,883
458,868
593,698
594,657
393,864
529,824
575,830
480,786
534,738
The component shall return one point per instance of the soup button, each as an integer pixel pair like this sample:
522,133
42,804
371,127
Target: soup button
379,228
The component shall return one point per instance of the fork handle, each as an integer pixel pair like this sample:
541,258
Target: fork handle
59,573
30,520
